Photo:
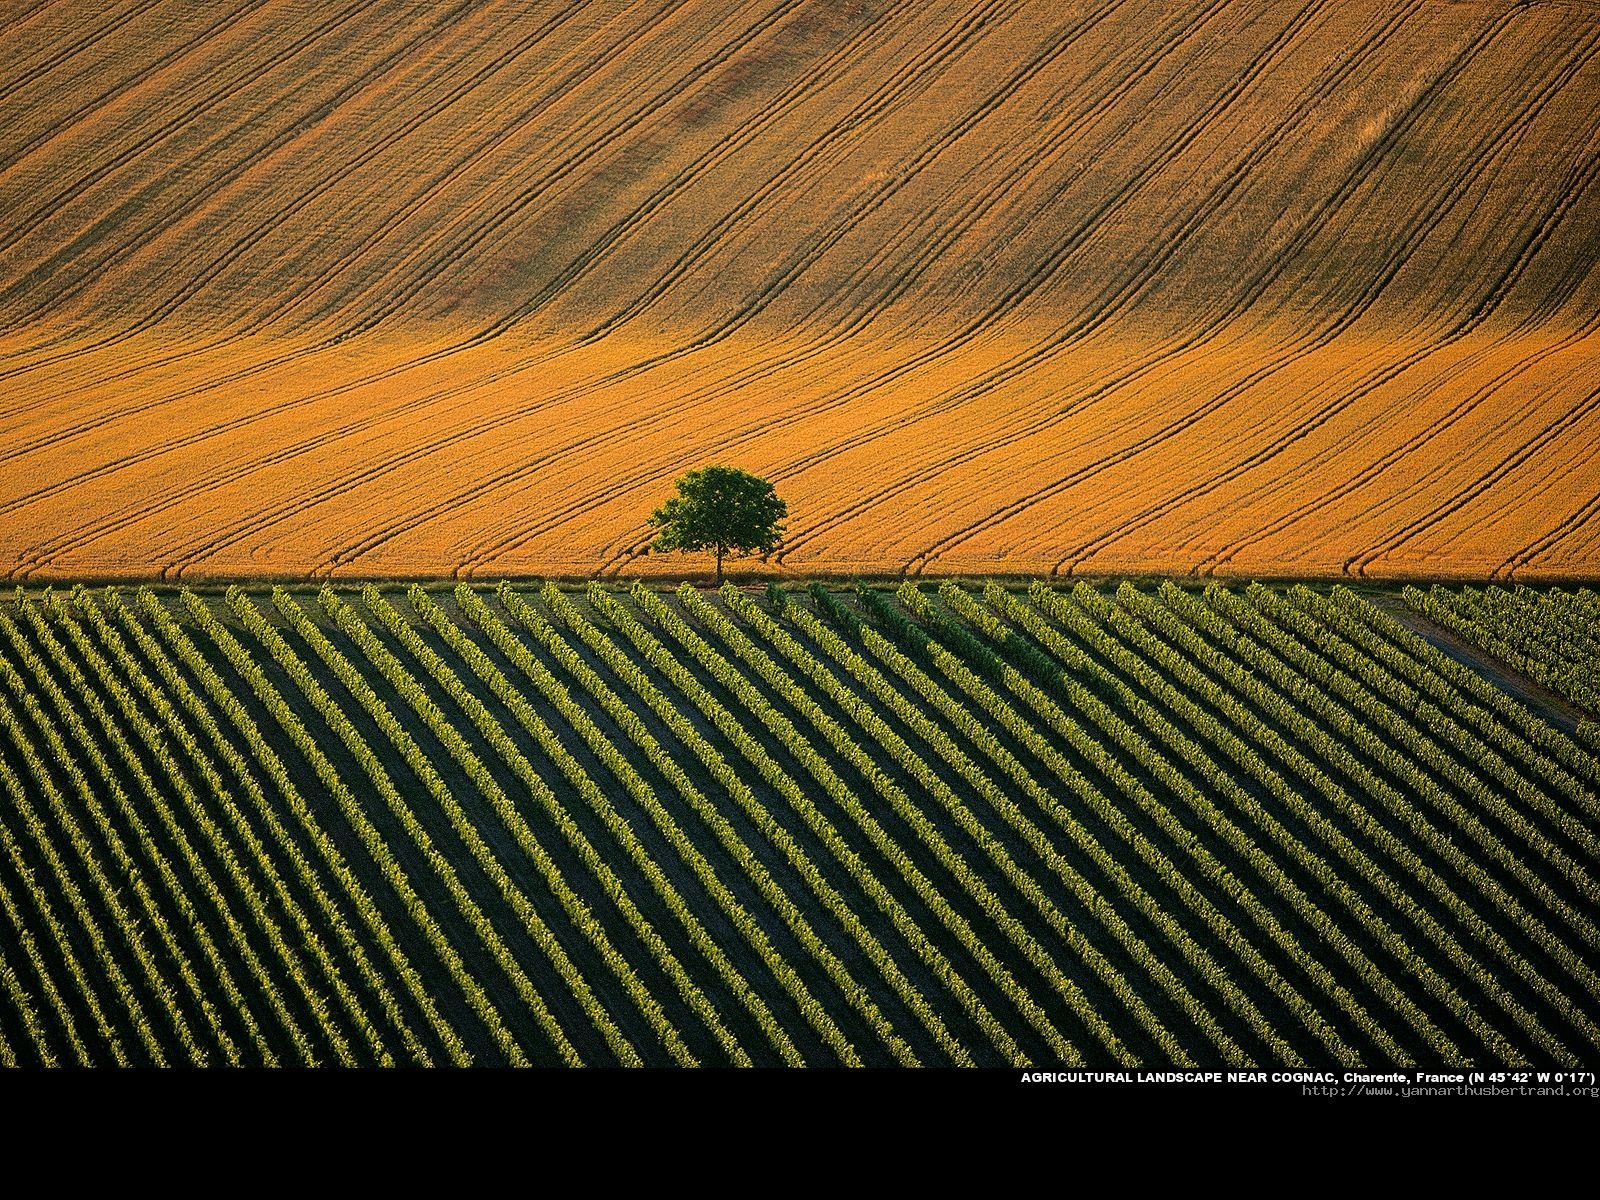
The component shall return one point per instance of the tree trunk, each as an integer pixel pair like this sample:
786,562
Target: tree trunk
720,552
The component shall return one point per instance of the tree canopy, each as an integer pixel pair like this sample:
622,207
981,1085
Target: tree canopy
721,509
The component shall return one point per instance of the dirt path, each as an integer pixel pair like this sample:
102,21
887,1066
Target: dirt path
1554,708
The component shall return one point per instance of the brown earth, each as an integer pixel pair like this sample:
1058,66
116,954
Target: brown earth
384,288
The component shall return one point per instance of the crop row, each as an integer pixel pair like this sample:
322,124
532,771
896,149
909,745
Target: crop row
1552,636
821,826
738,789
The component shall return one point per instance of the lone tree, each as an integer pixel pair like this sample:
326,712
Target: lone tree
720,509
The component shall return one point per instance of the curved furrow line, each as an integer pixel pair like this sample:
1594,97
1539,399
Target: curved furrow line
1512,273
435,252
33,14
940,229
800,261
1426,220
945,231
1564,528
910,79
431,190
752,307
754,432
1574,417
263,519
1166,154
371,320
51,337
16,154
1305,428
847,223
1428,478
160,356
824,149
804,88
1417,442
366,322
594,334
136,240
948,229
949,400
40,555
324,184
124,412
198,436
1354,178
1570,277
384,535
1096,319
44,335
236,376
335,174
71,337
640,367
552,90
50,204
1573,188
1358,564
859,316
1355,564
256,521
1303,346
71,50
1575,185
499,140
324,108
1070,242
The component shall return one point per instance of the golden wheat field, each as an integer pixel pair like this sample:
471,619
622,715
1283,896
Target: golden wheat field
399,288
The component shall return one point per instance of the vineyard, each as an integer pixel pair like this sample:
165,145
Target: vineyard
389,289
936,825
1553,637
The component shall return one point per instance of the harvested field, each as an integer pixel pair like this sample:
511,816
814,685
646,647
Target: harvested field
403,289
